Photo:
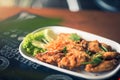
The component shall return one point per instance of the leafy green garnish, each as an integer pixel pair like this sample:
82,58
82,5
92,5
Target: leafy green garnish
64,50
104,48
28,42
44,40
75,37
38,50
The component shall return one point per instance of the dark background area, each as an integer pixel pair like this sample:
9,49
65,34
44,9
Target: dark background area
101,5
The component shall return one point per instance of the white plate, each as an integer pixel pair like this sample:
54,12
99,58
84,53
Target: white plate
84,35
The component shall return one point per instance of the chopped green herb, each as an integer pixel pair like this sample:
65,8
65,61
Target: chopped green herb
64,50
96,59
88,52
97,55
104,48
75,37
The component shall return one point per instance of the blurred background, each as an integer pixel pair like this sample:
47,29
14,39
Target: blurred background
72,5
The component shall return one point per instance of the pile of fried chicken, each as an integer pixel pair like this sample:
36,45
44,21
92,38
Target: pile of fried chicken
69,54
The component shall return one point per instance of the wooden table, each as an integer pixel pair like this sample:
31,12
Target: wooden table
105,24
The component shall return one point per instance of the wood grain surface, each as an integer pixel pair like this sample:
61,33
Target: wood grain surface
105,24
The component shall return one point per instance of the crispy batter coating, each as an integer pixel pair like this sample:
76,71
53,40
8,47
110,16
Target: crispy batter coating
50,57
73,60
94,46
104,66
110,55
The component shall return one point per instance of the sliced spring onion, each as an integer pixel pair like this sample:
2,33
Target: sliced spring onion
96,59
88,52
104,48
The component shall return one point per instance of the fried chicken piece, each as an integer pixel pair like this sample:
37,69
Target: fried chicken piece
81,46
73,59
104,66
50,57
67,62
94,46
78,47
110,55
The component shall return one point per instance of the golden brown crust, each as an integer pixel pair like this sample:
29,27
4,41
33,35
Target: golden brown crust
104,66
50,57
73,60
94,46
110,55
